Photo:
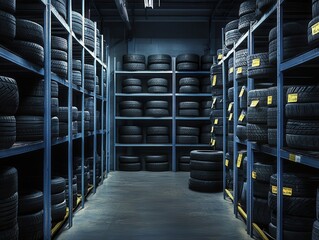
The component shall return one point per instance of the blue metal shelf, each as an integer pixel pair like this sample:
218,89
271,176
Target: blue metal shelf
142,145
21,147
295,156
143,94
299,60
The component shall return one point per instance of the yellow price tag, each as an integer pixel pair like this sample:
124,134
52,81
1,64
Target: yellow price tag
212,142
212,130
231,70
213,102
220,56
254,175
226,162
230,106
294,158
216,121
241,117
254,103
214,80
269,100
292,98
239,160
239,70
285,191
256,62
242,91
315,29
230,117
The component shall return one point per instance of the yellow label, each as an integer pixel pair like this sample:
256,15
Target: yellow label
253,175
292,157
256,62
315,29
254,103
212,130
212,142
241,117
230,117
214,101
285,191
239,70
293,98
239,160
269,100
231,70
226,162
242,91
216,121
214,80
230,106
220,56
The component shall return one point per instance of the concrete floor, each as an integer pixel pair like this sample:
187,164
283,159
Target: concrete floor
154,206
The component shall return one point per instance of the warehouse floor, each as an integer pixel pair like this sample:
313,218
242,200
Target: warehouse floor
154,206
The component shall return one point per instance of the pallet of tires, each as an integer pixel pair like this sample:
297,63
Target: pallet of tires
205,134
30,113
63,121
187,135
98,171
157,135
205,108
74,188
89,83
156,163
299,204
58,201
302,116
59,56
8,202
246,15
232,33
130,163
130,134
206,171
294,41
77,72
187,62
159,62
87,119
257,130
156,109
217,129
188,109
134,62
264,166
131,109
188,85
206,85
9,98
259,67
132,85
78,173
207,61
157,85
89,107
184,163
241,65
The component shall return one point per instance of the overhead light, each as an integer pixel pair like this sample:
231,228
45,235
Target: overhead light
148,3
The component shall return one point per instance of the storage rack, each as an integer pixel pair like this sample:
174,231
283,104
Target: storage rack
173,97
47,143
279,152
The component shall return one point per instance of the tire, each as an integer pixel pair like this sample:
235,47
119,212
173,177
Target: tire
186,81
130,139
306,94
157,167
184,159
77,65
157,89
259,94
231,25
159,58
132,89
36,89
156,104
30,202
130,104
298,127
157,139
206,166
131,112
159,67
57,185
130,130
7,131
188,105
189,89
192,58
58,198
247,7
257,115
58,212
59,43
162,130
77,23
30,51
208,104
272,117
59,55
157,82
131,82
241,132
263,171
60,6
304,142
155,158
206,175
231,37
313,40
7,25
261,211
216,91
31,226
257,133
130,167
134,58
289,235
60,68
129,159
205,186
9,96
293,223
187,66
188,112
184,139
8,212
307,111
29,31
206,155
260,189
206,66
272,137
35,106
77,78
8,6
134,66
244,22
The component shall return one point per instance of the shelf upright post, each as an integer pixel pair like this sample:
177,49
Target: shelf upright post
174,115
95,115
83,104
70,103
47,124
224,117
102,108
108,89
250,153
235,148
114,114
280,119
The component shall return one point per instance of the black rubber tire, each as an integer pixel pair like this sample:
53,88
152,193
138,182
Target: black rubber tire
315,230
157,82
159,67
157,89
263,171
77,23
130,139
155,158
8,6
187,66
293,223
184,159
157,139
77,65
206,175
272,137
9,96
289,235
30,51
130,130
260,189
184,139
8,212
8,182
7,26
257,115
59,55
157,167
130,167
305,142
159,58
243,121
205,186
206,166
57,198
58,212
231,37
130,104
57,185
36,89
132,89
129,159
156,112
259,94
188,112
206,66
231,25
59,43
134,58
261,211
207,155
133,112
60,6
192,58
29,31
244,22
30,202
272,117
156,104
131,82
241,132
157,130
186,81
247,7
306,94
7,131
31,226
60,68
35,106
257,133
188,89
134,66
77,78
313,40
299,127
188,105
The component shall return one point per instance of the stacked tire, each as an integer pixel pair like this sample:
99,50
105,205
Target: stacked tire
30,118
187,62
60,6
77,23
157,135
206,171
263,6
89,34
7,21
63,121
98,171
246,15
232,33
58,201
184,163
131,109
302,117
156,163
59,56
130,134
134,62
78,172
157,85
74,191
207,61
206,107
241,65
313,34
188,85
187,135
156,109
188,109
132,85
205,134
76,72
159,62
89,118
259,67
9,203
216,119
299,204
89,83
130,163
206,85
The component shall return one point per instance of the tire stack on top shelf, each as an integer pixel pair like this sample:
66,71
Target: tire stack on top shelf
246,15
232,33
187,62
159,62
58,202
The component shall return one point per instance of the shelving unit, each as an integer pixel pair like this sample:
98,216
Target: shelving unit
102,101
282,153
173,97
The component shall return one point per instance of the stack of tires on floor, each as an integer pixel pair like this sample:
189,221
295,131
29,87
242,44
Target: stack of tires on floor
206,171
